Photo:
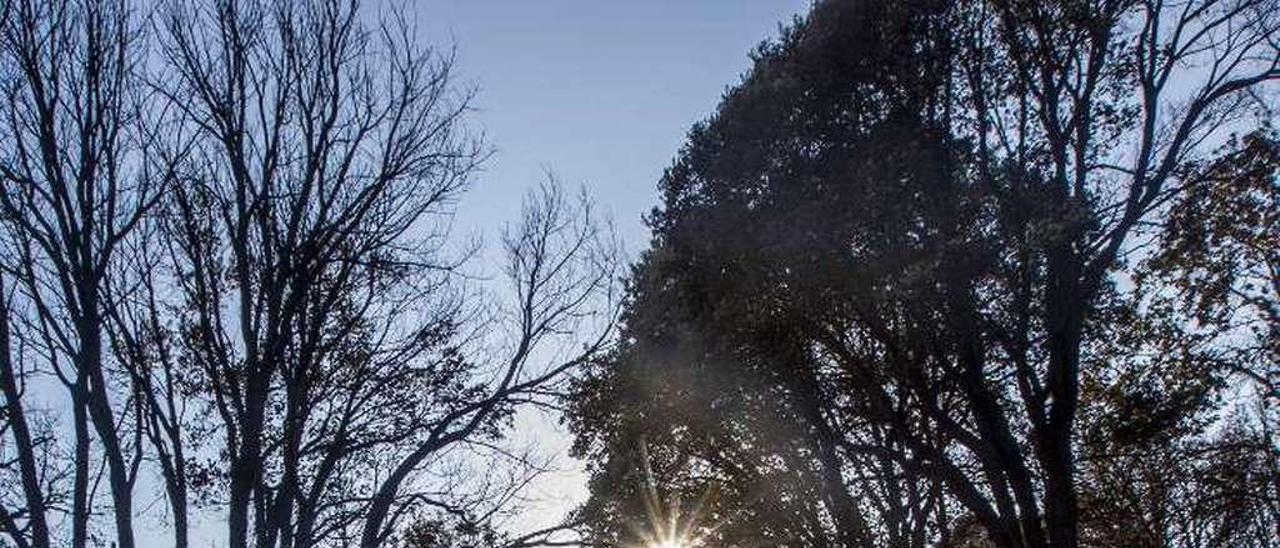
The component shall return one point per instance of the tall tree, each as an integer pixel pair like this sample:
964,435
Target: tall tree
311,248
74,171
228,239
912,215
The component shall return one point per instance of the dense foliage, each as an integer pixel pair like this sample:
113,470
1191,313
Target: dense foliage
954,274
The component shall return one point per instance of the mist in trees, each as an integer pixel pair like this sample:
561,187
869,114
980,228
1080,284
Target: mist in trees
960,274
230,281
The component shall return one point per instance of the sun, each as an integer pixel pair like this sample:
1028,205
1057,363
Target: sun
670,523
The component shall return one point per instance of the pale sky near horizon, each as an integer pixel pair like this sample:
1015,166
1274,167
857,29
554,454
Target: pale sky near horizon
602,94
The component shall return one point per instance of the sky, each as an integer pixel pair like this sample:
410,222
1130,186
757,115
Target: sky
600,93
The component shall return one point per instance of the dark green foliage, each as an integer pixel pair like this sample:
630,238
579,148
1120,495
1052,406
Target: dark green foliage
885,302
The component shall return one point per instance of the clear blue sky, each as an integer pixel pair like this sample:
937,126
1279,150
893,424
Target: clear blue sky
601,93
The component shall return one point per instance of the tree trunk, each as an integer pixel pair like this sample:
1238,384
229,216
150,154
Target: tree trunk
103,419
34,495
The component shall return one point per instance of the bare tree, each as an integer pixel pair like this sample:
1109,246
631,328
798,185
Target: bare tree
143,334
73,192
309,242
322,145
33,504
562,271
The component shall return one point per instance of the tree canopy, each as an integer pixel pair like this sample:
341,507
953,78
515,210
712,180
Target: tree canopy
940,273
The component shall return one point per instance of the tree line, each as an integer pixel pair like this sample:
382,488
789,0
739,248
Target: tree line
992,273
229,284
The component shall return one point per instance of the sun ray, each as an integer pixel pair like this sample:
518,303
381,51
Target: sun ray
668,524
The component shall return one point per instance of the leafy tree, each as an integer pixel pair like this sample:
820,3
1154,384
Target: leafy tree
1178,438
883,274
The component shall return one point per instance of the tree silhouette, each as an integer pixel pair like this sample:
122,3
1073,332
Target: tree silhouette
882,272
227,236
